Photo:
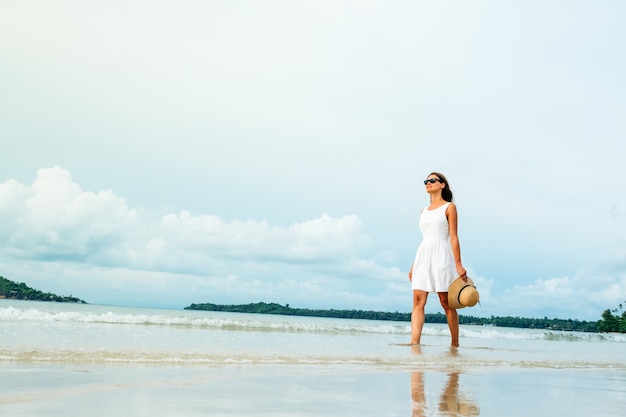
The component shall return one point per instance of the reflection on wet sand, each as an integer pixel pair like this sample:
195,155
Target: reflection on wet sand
451,403
418,399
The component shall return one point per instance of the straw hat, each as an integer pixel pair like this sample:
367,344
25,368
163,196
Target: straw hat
462,294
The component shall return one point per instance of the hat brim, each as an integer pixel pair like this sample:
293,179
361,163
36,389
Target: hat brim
455,289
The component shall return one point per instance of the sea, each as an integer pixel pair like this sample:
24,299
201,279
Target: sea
62,359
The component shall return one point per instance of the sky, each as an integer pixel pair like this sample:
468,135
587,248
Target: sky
159,153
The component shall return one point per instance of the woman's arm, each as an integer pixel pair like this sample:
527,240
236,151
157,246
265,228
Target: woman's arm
452,216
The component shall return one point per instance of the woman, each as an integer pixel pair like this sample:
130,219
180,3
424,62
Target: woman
438,259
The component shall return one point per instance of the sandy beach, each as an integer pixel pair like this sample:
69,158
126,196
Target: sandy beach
71,390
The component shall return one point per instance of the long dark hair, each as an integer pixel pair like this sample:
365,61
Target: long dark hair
446,192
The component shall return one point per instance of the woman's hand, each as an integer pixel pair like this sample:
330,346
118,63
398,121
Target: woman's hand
461,271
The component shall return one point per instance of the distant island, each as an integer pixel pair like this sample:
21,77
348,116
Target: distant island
20,291
613,321
518,322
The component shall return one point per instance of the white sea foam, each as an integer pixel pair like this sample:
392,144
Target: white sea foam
238,321
64,333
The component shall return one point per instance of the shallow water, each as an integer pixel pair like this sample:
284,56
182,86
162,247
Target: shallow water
73,333
68,359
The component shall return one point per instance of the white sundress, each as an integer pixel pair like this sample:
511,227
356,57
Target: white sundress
434,267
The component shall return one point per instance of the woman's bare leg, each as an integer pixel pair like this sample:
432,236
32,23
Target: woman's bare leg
452,316
417,315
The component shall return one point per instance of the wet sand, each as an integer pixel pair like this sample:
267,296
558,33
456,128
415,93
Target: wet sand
277,390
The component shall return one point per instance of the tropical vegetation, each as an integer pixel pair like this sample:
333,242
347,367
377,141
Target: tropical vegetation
613,323
519,322
21,291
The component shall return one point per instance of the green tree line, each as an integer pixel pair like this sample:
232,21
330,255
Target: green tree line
21,291
613,323
519,322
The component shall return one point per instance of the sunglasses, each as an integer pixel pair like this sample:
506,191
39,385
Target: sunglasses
431,180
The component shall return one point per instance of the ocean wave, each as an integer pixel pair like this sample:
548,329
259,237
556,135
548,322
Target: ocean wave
292,324
224,323
488,332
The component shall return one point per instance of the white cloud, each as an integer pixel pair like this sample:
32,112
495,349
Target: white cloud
55,216
582,296
318,240
54,220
